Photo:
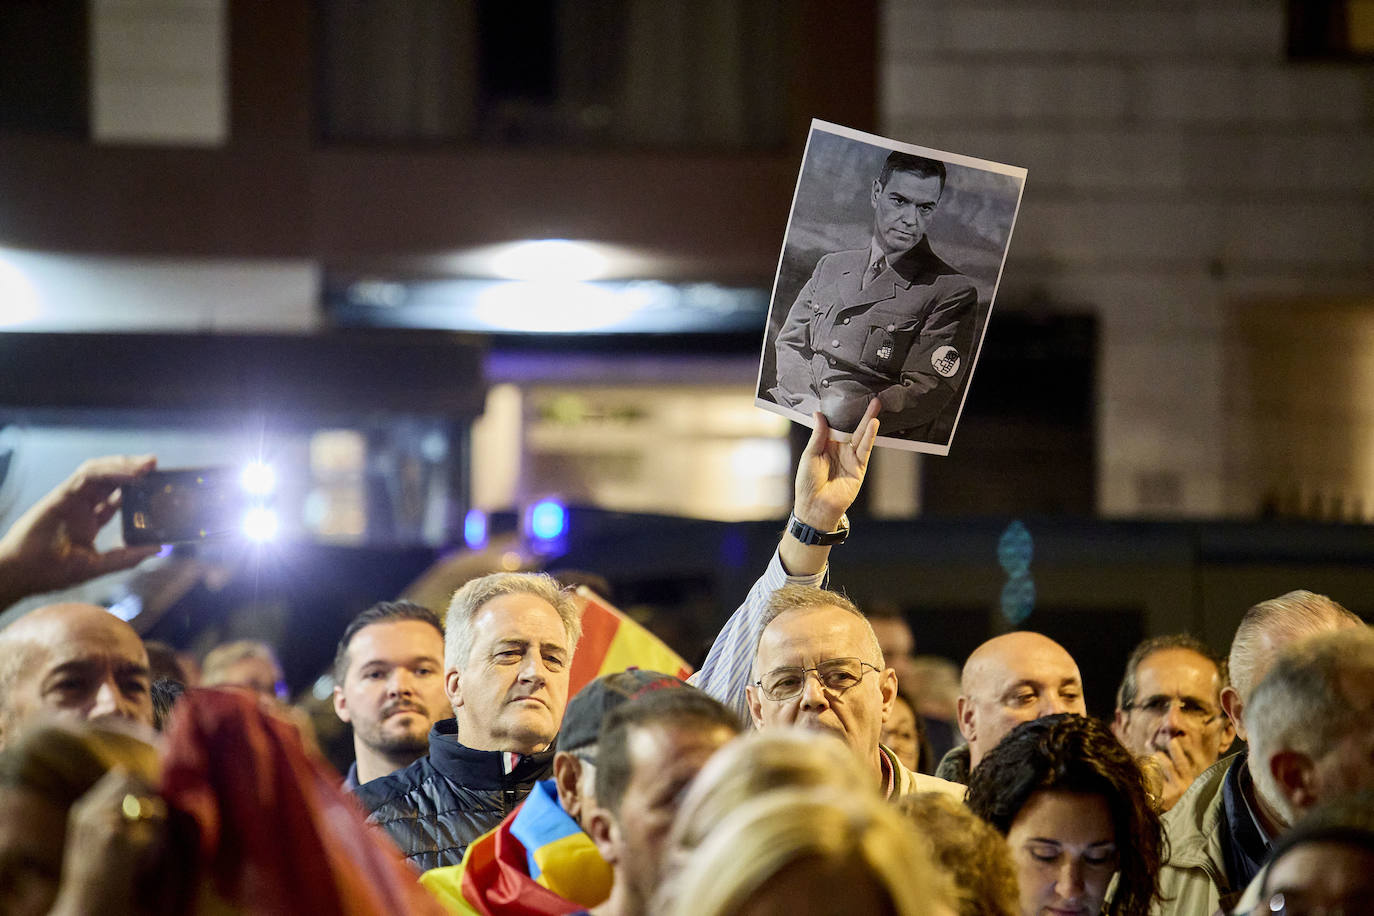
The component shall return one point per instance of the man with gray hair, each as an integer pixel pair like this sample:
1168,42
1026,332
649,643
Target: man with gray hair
804,631
1219,831
1168,710
1311,724
508,647
797,654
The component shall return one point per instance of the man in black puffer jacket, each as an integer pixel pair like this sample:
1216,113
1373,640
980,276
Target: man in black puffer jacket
508,648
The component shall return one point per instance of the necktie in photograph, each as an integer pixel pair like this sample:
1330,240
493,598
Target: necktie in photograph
875,270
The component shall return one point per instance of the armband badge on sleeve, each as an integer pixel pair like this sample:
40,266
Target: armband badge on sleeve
945,361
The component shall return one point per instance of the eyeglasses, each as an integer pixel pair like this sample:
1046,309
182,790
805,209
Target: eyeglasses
1197,713
836,675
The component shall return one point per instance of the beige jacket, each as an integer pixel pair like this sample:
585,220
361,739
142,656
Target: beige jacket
1193,882
910,783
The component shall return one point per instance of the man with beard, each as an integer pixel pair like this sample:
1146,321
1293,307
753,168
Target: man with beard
389,685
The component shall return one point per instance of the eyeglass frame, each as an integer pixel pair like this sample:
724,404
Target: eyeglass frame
805,672
1144,707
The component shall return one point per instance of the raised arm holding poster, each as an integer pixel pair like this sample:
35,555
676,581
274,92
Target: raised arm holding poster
888,271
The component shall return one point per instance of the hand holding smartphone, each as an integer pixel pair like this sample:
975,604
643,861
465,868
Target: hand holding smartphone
183,506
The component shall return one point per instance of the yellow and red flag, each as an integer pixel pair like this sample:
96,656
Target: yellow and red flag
613,642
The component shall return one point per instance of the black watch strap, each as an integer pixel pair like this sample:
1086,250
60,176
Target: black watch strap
808,535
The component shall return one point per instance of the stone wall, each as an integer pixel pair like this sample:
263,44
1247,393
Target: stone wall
1186,181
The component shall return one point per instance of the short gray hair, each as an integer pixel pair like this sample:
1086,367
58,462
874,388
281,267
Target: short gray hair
1284,619
1300,705
469,600
1130,687
798,597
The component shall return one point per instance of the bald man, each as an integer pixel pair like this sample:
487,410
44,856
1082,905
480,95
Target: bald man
1010,679
71,661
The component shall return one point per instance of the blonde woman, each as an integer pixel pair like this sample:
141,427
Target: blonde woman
760,762
811,851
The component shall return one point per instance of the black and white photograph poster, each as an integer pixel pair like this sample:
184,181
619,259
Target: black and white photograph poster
888,272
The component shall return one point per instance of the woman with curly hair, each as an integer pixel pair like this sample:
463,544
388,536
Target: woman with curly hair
1073,805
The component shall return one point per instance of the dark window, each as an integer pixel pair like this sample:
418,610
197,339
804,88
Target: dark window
1026,441
43,66
598,73
1331,29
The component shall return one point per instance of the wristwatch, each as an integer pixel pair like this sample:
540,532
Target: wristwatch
808,535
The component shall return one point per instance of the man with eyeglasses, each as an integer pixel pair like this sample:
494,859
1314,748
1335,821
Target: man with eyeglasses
818,666
796,654
1168,709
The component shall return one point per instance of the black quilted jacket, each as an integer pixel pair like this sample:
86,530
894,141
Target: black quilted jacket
439,804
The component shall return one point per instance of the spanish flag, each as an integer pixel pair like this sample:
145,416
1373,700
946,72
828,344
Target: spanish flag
537,862
612,642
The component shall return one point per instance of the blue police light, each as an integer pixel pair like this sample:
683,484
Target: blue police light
475,529
548,520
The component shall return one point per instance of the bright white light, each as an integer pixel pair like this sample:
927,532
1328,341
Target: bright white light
556,308
260,524
258,479
18,296
549,260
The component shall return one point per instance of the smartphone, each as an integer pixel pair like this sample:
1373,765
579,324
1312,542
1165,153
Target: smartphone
182,506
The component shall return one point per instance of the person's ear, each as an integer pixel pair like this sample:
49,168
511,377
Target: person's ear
605,833
751,694
452,687
341,705
968,720
1294,774
1119,726
567,770
1234,707
1227,737
887,687
877,189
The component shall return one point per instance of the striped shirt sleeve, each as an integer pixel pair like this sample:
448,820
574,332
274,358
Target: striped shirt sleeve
725,673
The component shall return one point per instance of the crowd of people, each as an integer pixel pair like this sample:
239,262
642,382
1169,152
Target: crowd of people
795,772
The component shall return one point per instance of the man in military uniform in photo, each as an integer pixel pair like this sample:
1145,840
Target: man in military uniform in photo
891,320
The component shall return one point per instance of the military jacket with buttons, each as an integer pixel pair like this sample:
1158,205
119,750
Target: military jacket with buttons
906,337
